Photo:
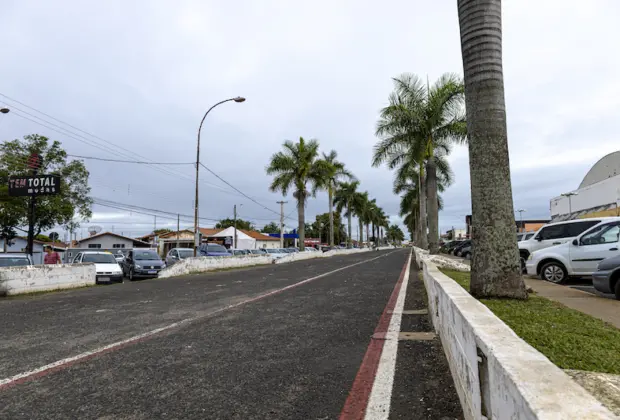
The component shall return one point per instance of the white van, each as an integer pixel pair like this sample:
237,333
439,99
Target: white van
558,233
579,257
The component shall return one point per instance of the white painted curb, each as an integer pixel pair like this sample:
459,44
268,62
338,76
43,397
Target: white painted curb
498,375
39,278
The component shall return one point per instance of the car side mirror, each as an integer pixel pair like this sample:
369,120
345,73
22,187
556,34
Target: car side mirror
575,242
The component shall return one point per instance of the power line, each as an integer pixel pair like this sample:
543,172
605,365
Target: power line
132,161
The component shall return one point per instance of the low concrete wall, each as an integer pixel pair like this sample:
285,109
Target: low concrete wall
298,256
199,264
497,374
18,280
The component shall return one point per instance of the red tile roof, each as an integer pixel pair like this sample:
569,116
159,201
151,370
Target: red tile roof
257,235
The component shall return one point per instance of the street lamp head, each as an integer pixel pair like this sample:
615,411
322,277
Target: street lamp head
239,99
4,110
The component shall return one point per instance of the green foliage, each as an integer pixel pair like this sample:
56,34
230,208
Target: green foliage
320,228
272,227
569,338
241,224
50,210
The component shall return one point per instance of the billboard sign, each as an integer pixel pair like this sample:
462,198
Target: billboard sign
34,185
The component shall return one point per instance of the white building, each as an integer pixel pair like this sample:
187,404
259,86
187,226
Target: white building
247,239
598,194
20,244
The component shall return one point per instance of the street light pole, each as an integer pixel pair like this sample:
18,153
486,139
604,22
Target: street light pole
570,204
521,218
196,233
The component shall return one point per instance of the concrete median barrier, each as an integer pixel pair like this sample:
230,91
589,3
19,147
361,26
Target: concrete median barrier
498,375
203,264
39,278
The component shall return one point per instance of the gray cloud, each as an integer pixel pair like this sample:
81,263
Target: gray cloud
140,76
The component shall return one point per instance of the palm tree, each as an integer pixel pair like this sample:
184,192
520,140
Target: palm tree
495,267
360,205
334,172
395,234
421,121
294,168
346,197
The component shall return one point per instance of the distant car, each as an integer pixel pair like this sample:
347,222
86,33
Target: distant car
15,260
457,249
142,263
213,250
106,266
292,250
276,253
606,278
259,251
238,252
177,254
466,252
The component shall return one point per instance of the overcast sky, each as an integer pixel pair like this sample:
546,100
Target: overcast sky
139,75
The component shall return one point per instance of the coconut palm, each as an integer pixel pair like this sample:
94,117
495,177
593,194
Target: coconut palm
422,121
495,268
335,171
296,168
360,205
346,197
395,234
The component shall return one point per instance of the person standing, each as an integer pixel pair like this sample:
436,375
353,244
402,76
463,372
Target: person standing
51,256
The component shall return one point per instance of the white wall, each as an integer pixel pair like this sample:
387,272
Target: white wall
493,368
266,244
18,280
599,194
106,241
201,264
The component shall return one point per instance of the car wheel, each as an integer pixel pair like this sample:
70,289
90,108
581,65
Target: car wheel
554,272
466,255
617,289
131,274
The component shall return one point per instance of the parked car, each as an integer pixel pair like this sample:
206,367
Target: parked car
527,235
556,234
276,253
448,247
177,254
466,251
15,260
238,252
457,249
213,250
578,258
259,251
107,268
606,277
292,250
142,263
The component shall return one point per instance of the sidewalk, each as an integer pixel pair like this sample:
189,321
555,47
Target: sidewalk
607,310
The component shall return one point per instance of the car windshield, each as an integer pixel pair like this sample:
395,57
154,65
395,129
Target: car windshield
216,248
13,261
529,235
99,258
145,255
185,253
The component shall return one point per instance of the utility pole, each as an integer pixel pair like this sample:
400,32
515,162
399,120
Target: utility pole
281,203
521,228
178,224
235,237
154,224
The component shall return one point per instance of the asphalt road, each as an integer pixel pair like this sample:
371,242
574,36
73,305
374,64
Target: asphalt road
229,345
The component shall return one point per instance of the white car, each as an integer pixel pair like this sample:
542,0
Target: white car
106,265
578,258
276,253
556,234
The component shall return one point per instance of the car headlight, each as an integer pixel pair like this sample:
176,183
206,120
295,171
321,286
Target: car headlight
138,266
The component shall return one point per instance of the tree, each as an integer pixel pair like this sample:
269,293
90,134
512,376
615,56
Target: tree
294,168
495,267
51,210
419,122
272,227
360,205
241,224
335,171
345,198
321,226
395,234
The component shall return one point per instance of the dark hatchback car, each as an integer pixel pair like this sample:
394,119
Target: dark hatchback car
142,263
607,277
213,250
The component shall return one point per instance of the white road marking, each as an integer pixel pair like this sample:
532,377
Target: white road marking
381,395
110,347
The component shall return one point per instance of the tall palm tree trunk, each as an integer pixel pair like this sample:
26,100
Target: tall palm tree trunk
301,219
350,238
330,193
433,207
368,234
495,267
422,213
361,238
